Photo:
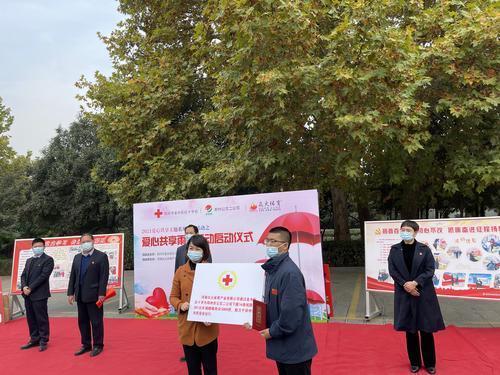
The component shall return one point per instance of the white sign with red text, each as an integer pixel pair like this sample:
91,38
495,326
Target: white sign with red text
466,253
223,292
63,250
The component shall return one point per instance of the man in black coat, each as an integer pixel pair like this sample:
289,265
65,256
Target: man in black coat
87,284
416,306
36,292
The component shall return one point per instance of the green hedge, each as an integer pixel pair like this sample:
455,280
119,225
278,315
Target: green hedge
344,253
5,266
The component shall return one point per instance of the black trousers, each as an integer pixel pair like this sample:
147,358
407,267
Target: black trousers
425,344
303,368
198,356
38,320
91,324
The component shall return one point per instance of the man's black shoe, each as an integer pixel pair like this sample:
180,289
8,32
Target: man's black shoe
83,350
431,370
43,347
29,345
414,369
96,351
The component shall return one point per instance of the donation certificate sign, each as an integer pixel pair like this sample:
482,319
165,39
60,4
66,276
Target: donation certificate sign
224,292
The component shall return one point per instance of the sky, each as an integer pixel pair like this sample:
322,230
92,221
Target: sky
45,46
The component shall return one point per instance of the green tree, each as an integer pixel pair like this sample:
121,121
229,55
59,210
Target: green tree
13,185
6,120
366,101
64,199
149,110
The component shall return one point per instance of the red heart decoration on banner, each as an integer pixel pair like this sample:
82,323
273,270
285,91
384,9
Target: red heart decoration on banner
158,299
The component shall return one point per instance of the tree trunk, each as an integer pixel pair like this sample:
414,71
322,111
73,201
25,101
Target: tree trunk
410,209
363,215
340,215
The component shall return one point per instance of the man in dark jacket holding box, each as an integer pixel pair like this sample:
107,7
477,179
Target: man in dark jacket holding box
289,338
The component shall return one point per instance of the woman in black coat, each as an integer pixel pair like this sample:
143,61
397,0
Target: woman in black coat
416,307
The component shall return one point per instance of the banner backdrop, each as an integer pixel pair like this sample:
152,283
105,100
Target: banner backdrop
2,310
63,250
466,251
235,228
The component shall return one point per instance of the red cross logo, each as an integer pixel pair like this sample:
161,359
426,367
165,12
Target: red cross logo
227,280
158,213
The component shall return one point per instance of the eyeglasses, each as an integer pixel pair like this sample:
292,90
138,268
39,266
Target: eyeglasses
267,242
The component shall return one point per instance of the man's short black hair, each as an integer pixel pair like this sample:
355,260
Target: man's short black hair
192,226
410,223
87,235
284,232
38,240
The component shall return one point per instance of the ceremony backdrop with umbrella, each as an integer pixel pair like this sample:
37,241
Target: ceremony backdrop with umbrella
305,229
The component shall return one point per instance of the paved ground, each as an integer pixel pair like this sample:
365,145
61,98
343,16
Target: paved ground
349,303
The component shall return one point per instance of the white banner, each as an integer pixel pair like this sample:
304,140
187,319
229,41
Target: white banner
63,250
235,228
223,292
466,252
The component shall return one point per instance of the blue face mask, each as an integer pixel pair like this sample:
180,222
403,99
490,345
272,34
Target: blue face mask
87,247
272,251
188,237
406,236
195,256
37,251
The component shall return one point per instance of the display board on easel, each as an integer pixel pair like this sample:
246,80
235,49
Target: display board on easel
63,250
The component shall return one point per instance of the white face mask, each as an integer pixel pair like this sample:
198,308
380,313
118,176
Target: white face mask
406,236
195,255
37,251
87,247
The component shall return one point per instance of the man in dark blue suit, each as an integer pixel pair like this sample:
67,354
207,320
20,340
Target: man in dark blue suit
36,292
87,284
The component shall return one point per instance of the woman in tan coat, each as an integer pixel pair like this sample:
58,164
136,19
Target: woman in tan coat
199,340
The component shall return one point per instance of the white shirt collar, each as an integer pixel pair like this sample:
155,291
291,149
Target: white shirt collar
89,254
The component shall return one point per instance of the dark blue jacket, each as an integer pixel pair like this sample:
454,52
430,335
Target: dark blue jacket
36,276
288,319
421,313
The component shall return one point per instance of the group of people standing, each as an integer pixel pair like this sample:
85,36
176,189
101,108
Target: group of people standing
87,285
289,337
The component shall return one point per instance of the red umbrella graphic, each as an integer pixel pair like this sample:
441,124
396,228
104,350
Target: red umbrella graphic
305,228
303,225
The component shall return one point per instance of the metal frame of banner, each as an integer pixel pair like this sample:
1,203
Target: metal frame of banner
379,310
15,301
122,294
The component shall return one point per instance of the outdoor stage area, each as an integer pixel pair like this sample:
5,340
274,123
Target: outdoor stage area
136,346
